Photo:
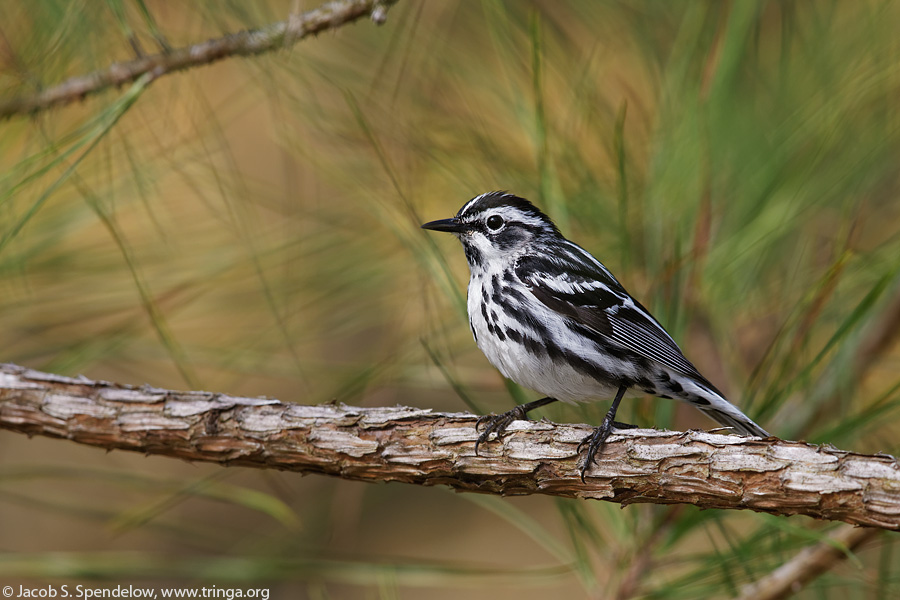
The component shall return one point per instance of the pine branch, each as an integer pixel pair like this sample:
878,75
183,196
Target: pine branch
809,563
282,34
414,445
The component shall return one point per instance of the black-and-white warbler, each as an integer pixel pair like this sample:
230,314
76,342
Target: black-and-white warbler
553,319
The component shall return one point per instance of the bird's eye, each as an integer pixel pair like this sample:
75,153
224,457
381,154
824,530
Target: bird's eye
495,222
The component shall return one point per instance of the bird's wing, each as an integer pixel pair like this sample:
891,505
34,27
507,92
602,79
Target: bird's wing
587,293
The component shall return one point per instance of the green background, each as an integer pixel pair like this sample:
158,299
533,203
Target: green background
252,227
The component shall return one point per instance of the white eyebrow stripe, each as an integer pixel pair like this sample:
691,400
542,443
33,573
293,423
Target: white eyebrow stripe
469,204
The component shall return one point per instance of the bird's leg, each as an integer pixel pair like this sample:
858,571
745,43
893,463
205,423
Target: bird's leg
498,423
596,439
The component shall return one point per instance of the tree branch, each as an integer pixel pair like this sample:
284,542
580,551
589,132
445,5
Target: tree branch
809,563
282,34
419,446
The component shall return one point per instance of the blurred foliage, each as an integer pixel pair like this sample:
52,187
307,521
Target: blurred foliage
252,227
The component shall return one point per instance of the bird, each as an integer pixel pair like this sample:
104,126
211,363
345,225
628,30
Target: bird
552,318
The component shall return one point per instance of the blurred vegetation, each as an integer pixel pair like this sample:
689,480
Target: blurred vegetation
252,227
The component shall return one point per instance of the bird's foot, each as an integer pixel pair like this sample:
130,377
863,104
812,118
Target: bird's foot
596,440
498,423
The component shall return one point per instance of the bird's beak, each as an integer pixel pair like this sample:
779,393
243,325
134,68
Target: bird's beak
450,225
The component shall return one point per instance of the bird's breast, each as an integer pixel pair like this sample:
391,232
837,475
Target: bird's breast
522,354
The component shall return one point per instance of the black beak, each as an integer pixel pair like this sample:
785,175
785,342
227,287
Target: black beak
450,225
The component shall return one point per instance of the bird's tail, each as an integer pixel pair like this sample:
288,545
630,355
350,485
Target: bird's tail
727,414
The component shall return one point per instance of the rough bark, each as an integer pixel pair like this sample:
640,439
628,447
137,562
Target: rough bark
414,445
282,34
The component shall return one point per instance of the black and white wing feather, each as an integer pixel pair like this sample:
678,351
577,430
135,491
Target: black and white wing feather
571,282
581,288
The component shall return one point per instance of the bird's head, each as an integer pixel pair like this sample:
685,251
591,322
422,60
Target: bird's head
496,226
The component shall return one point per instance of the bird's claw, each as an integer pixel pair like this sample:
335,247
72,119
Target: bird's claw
497,424
596,440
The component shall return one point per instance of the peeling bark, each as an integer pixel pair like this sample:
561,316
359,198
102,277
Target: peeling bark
414,445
